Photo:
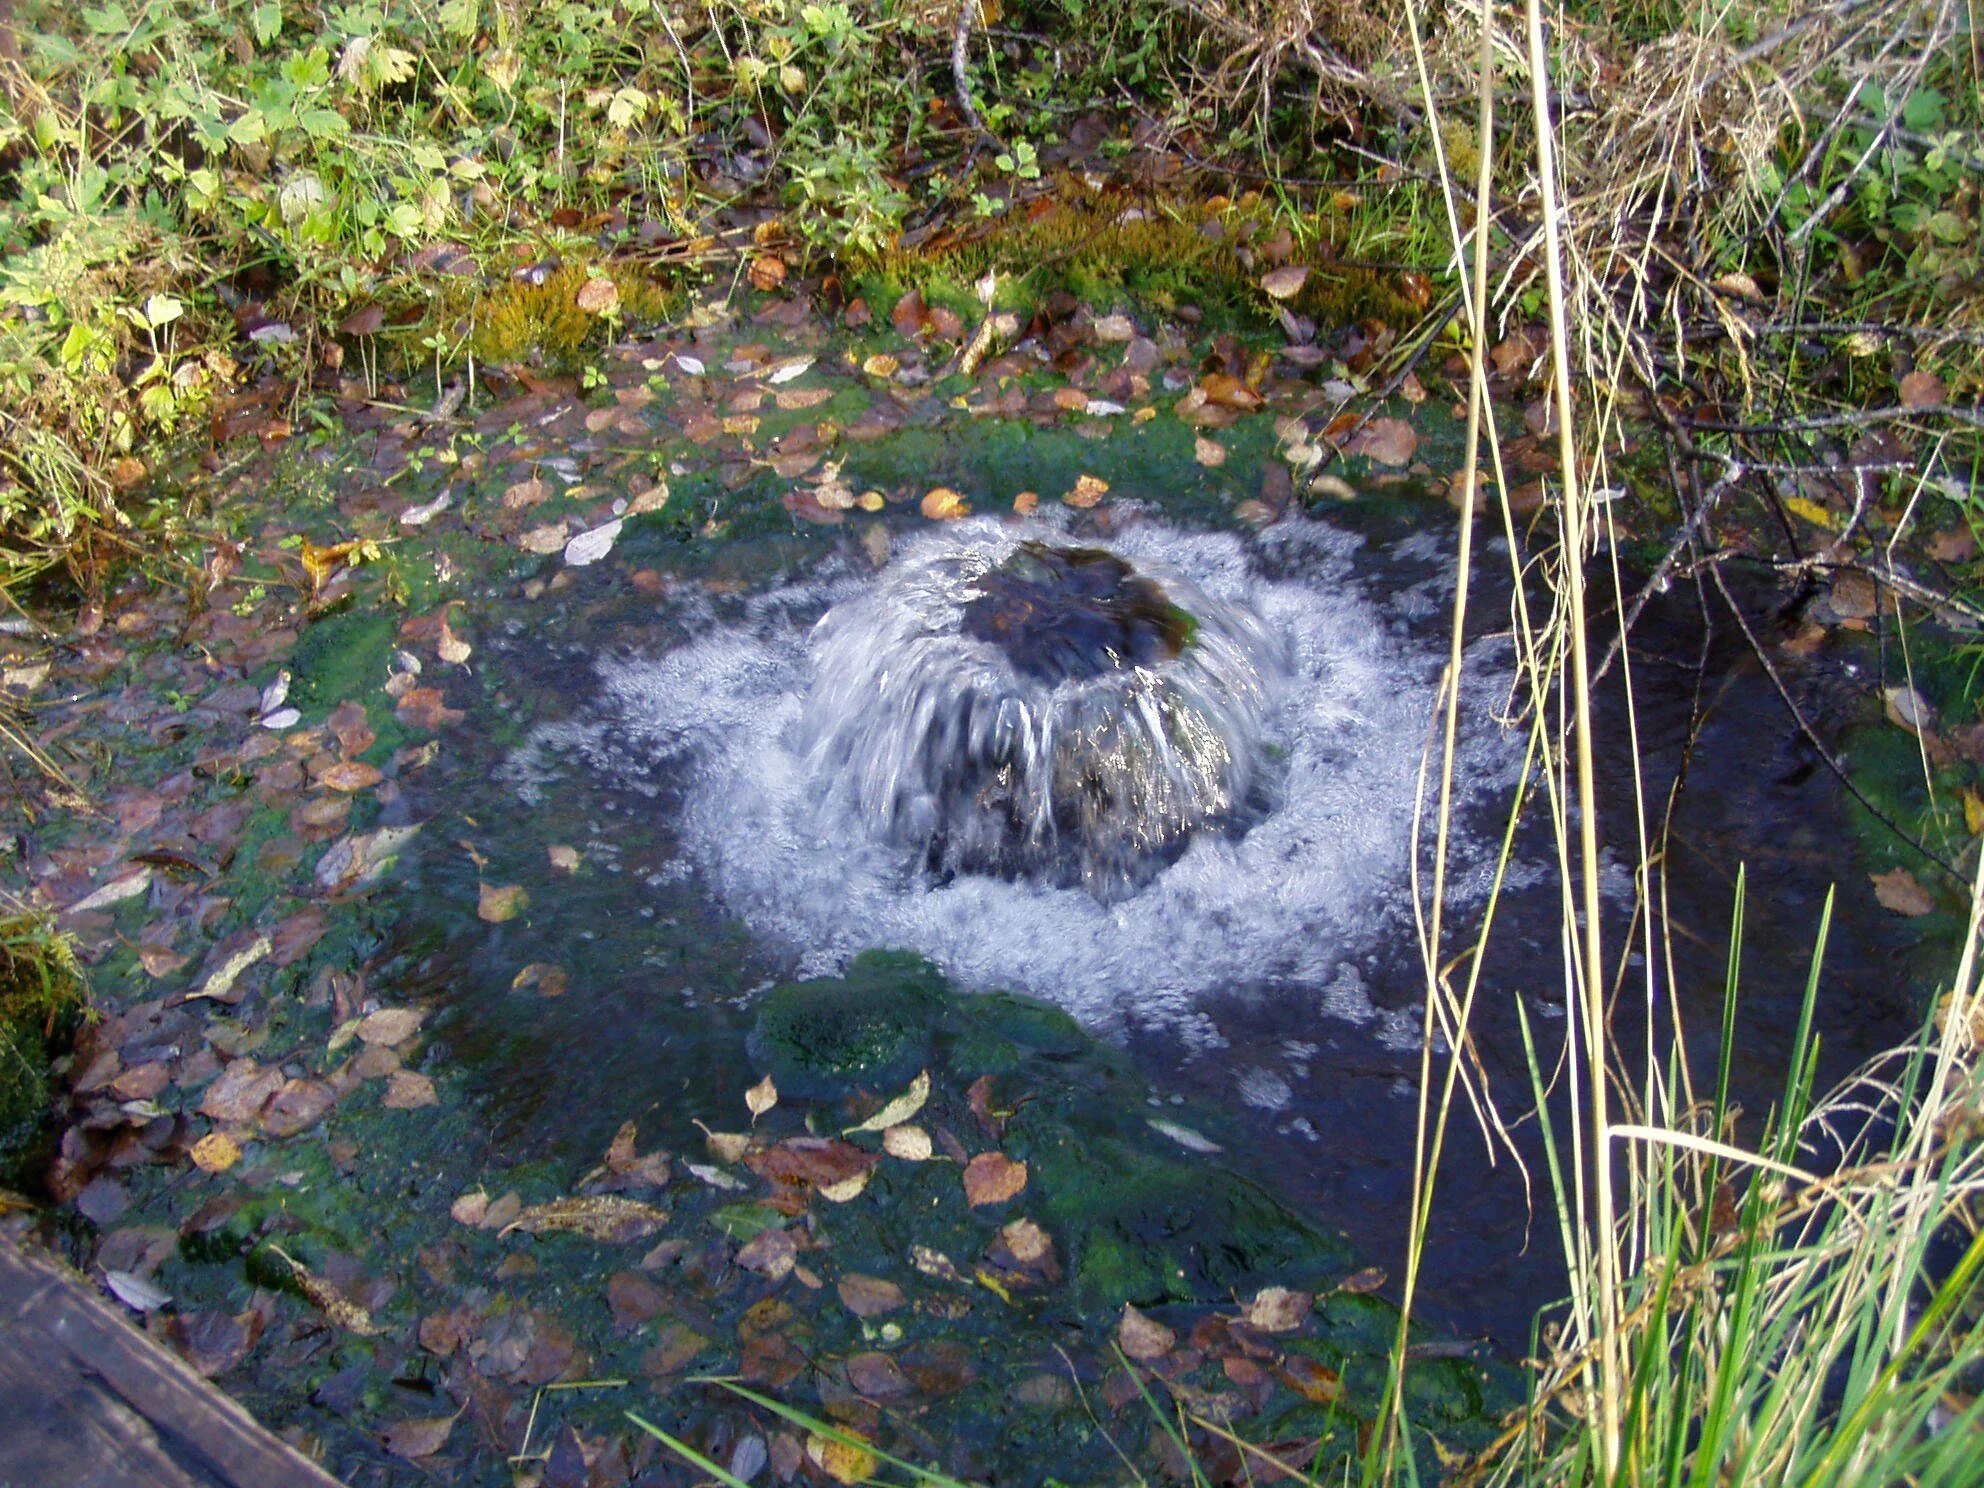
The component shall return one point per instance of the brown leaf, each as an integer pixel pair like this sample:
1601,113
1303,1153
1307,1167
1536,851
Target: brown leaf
604,1217
770,1253
549,980
993,1178
1311,1379
823,1162
408,1090
1922,390
497,903
351,775
1387,441
1278,1309
298,1106
908,316
869,1296
564,859
419,1436
1286,282
240,1091
1143,1338
1900,891
390,1026
767,272
597,296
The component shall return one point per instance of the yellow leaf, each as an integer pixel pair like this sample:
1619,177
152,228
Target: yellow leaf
1973,811
881,364
897,1111
497,903
843,1459
944,505
1089,489
1810,510
216,1152
760,1098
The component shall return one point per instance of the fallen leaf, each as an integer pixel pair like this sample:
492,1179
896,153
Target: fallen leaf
1907,708
135,1292
1143,1338
496,903
909,1143
1358,1283
767,272
1286,282
760,1098
606,1217
897,1111
1922,390
597,296
116,891
390,1026
420,1436
944,505
1026,503
351,775
1113,329
1089,489
1278,1309
1311,1379
869,1296
993,1178
787,370
220,986
1900,891
770,1253
841,1457
592,545
881,364
549,980
564,859
240,1091
216,1152
469,1208
451,648
298,1106
1208,452
1387,441
408,1090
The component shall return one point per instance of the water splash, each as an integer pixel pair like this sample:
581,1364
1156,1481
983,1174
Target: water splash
725,734
1000,704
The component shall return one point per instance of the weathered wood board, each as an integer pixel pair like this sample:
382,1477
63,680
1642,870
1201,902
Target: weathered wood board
88,1401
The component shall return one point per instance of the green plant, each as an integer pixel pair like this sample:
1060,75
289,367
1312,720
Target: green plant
41,994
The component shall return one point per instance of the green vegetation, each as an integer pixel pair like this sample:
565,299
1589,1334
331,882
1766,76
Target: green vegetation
41,995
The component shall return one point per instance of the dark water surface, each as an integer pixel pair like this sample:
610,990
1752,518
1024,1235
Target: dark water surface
1319,1102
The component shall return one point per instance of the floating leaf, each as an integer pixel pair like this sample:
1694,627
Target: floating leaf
1278,1309
593,545
1089,489
841,1458
944,505
897,1111
760,1098
1900,891
497,903
220,986
606,1217
870,1296
1386,441
993,1178
1143,1338
418,1437
910,1143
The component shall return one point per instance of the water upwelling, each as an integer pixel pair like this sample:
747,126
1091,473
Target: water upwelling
819,772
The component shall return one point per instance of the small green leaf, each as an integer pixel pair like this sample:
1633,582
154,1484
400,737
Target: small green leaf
266,22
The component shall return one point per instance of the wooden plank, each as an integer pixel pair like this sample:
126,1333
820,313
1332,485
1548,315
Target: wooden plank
88,1401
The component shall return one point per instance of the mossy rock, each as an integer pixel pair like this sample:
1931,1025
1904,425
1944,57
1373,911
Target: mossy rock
871,1029
1149,1229
341,656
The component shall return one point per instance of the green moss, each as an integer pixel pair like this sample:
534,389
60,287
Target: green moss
341,656
870,1029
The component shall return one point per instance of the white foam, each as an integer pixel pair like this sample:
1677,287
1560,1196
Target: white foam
1322,877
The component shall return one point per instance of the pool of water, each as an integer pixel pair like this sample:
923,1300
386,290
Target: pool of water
646,715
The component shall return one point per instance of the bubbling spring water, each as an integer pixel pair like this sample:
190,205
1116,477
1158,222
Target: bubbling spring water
1119,778
1046,712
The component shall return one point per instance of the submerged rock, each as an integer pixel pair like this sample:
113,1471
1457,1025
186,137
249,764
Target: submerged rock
1032,709
870,1029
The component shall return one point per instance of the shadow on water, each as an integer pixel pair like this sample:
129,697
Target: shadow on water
653,977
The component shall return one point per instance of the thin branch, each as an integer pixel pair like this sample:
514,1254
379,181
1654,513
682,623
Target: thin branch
1852,419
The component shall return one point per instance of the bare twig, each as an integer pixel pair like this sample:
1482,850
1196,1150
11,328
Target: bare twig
1855,418
961,25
